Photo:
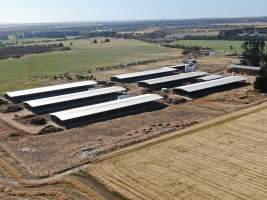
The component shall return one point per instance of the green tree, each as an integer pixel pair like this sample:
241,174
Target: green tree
253,51
261,81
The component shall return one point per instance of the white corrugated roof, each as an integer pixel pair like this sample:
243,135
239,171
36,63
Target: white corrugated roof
174,78
104,107
145,73
210,78
254,68
74,96
50,88
211,84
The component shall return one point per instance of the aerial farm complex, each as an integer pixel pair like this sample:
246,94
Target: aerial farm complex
82,122
82,103
154,110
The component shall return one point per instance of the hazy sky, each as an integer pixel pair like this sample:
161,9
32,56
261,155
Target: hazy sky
27,11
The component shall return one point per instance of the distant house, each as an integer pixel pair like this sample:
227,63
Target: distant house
244,69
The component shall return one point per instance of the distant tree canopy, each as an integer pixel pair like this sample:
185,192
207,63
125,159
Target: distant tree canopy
48,34
19,51
253,51
261,81
255,54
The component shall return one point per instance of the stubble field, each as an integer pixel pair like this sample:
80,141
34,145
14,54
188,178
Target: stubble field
226,160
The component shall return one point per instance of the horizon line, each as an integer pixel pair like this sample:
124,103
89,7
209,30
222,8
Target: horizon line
133,20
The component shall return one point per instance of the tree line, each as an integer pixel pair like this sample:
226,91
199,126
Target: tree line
19,51
255,53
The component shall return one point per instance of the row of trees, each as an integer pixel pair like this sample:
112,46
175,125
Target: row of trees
19,51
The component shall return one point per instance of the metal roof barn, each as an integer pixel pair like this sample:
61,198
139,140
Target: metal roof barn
244,69
52,104
42,92
210,78
253,68
93,113
171,81
204,88
137,76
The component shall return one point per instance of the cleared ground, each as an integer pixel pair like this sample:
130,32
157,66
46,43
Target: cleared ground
17,184
49,154
26,156
218,45
25,72
223,160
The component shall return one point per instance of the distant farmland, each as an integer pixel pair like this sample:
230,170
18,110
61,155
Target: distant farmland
218,45
225,160
18,73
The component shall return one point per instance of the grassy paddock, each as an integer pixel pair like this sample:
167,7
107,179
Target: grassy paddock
218,45
22,73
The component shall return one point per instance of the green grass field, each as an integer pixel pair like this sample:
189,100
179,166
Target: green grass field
218,45
20,73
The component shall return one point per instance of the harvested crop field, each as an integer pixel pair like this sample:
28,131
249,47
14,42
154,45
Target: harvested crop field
224,159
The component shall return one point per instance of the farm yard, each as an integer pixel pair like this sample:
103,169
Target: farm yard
64,164
224,159
84,56
120,132
217,45
25,158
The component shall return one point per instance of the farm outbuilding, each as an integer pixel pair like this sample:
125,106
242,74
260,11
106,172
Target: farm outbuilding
171,81
74,100
209,78
49,91
205,88
138,76
244,69
103,111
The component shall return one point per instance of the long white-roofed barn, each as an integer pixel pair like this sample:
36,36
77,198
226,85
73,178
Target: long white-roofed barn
49,91
205,88
104,111
68,101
